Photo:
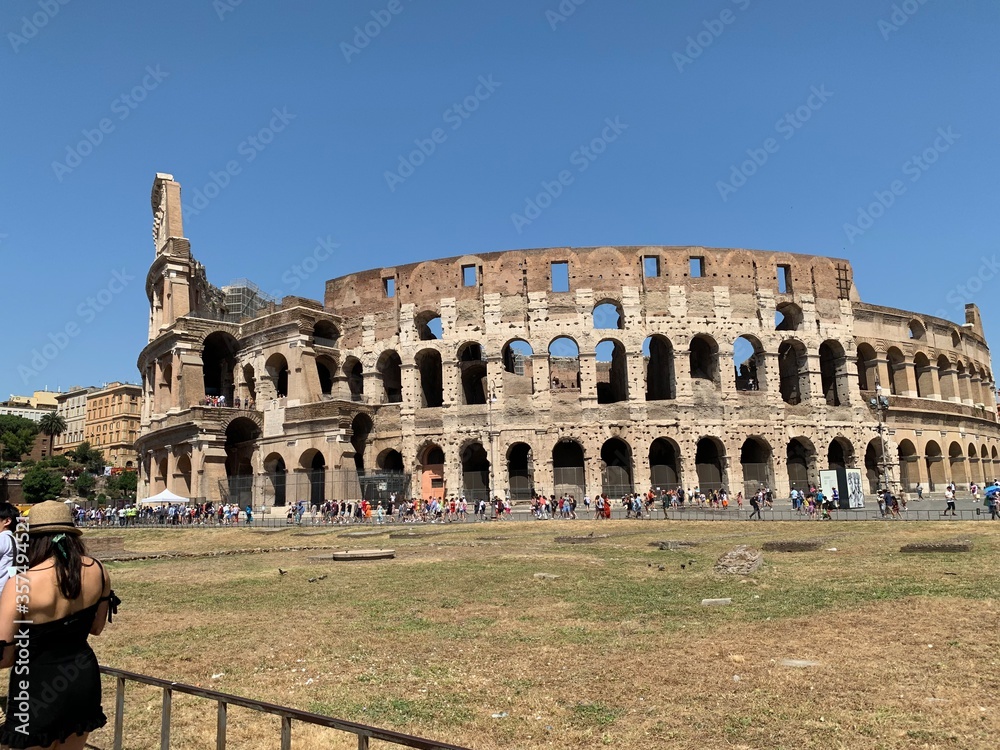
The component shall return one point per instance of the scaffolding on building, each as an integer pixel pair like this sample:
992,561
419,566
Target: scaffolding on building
244,300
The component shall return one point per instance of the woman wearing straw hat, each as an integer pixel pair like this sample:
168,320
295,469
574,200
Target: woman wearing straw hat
54,700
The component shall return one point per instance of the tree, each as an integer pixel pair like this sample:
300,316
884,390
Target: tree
85,483
41,484
17,435
52,424
124,484
91,458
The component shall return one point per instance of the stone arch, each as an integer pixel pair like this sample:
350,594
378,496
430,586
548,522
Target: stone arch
934,463
947,379
923,375
874,466
749,363
390,367
793,371
616,468
472,372
908,473
612,372
520,471
242,433
956,465
326,368
390,460
277,370
664,463
608,314
354,371
313,464
788,317
867,361
568,468
840,453
361,429
897,374
249,387
218,357
431,461
476,472
429,325
709,461
564,364
800,462
276,479
916,330
704,359
756,460
833,372
429,371
183,473
325,333
658,360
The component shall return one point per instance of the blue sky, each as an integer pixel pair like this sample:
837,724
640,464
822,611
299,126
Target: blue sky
734,123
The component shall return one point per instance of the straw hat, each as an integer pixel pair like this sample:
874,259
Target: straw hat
51,517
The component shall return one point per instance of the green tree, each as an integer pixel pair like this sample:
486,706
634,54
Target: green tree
41,484
85,483
17,435
124,484
91,458
52,424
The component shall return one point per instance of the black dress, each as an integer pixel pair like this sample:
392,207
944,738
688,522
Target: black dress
56,692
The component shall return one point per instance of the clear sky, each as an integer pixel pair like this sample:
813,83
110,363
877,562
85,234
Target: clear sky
725,123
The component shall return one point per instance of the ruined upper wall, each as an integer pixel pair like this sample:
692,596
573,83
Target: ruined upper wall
605,270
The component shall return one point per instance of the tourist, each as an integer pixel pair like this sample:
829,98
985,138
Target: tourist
8,545
920,491
755,504
71,598
949,498
991,503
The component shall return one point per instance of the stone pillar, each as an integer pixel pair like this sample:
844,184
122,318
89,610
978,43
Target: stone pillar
965,388
934,391
374,387
541,379
948,384
725,371
189,379
494,382
814,379
905,384
453,484
588,377
410,386
682,376
636,376
451,381
882,371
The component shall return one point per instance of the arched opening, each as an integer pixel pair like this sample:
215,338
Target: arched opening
874,466
664,461
354,372
428,363
800,462
361,429
935,466
867,367
658,358
973,471
429,326
520,472
161,474
249,385
755,458
390,366
166,386
325,367
897,376
475,472
564,364
568,473
315,466
833,372
325,333
612,372
995,459
704,359
616,470
277,478
432,472
277,370
241,442
956,339
840,454
218,356
915,330
472,366
390,461
708,461
946,377
793,374
956,465
924,375
748,363
608,315
963,382
516,357
908,473
184,476
787,317
985,465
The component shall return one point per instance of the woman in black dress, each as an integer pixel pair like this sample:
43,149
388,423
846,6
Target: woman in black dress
46,614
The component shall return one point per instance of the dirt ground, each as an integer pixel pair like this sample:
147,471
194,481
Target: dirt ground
851,645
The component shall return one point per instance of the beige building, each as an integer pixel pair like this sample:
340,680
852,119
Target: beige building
112,422
582,370
72,407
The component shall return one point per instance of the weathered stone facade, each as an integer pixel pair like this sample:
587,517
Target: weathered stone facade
585,370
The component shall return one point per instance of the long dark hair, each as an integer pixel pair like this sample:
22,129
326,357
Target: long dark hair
68,555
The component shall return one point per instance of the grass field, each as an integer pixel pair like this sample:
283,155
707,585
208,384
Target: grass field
615,652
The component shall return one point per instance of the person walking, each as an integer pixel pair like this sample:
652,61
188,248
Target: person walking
755,504
991,503
71,599
949,498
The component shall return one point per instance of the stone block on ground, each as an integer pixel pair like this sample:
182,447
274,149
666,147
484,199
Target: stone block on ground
741,560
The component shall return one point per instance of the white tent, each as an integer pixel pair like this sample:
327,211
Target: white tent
164,498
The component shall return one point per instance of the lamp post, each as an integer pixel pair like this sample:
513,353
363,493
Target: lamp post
491,397
880,404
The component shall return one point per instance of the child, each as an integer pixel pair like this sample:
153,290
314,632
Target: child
8,545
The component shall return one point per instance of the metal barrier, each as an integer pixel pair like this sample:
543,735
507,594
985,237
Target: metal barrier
363,732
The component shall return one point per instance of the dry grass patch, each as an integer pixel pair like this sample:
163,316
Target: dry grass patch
615,652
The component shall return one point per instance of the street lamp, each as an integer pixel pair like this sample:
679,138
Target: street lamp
491,397
880,404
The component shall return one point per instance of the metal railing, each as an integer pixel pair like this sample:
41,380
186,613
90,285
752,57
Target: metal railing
223,701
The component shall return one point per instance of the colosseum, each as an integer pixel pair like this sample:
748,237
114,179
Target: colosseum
579,370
